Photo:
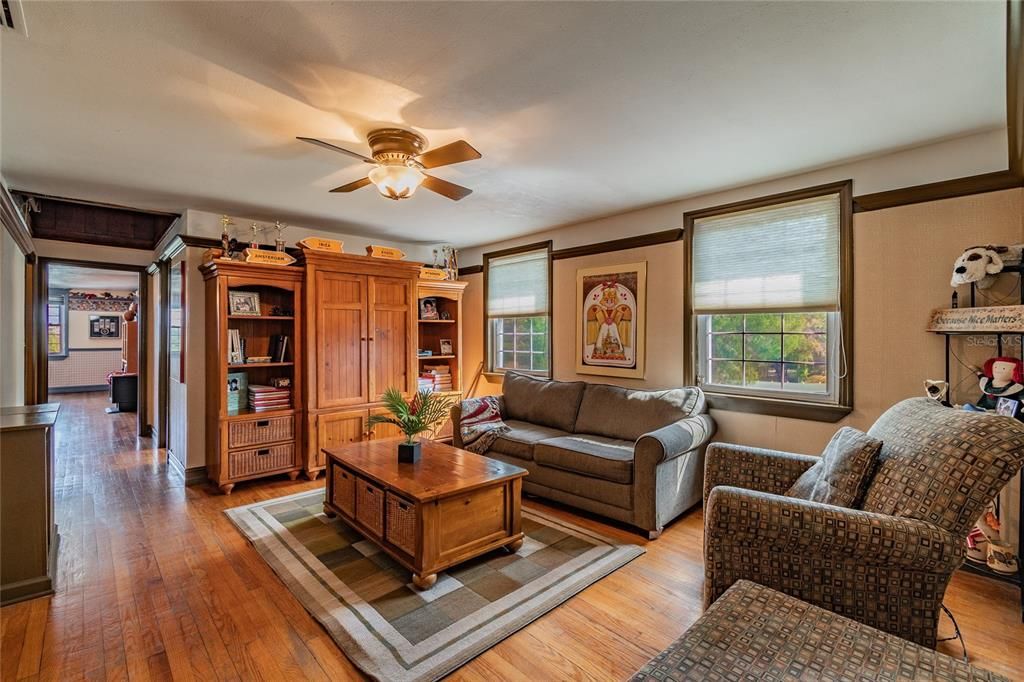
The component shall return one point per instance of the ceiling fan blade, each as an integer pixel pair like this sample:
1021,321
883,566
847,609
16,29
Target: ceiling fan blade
353,186
445,188
335,148
456,152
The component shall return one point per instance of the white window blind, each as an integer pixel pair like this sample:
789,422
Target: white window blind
779,258
518,284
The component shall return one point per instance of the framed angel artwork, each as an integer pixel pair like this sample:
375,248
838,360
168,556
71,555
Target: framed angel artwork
611,320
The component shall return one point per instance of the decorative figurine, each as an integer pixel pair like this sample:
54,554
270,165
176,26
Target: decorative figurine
225,236
279,241
998,378
256,229
936,389
981,264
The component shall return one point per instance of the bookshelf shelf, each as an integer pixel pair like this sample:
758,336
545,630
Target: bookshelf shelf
437,321
255,365
443,369
249,414
438,357
261,317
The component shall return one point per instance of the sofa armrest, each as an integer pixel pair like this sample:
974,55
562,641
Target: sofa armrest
786,526
769,471
456,415
674,440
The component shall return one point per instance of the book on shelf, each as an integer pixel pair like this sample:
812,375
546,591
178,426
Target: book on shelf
237,391
278,347
236,347
435,378
265,398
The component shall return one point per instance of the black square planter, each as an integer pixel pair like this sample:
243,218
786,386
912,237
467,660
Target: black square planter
408,453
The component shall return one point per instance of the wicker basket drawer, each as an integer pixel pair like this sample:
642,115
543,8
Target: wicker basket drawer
260,431
343,489
370,506
260,460
401,524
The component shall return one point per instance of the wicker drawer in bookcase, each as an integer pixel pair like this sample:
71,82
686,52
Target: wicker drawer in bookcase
400,520
259,431
343,489
260,460
370,506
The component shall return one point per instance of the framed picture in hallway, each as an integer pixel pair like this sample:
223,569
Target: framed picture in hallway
611,304
104,326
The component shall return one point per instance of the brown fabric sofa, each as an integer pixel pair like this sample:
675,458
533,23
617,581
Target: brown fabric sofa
633,456
886,564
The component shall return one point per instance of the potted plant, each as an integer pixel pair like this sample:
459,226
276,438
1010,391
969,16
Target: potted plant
413,417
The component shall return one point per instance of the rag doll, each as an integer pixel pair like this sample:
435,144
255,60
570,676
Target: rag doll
998,378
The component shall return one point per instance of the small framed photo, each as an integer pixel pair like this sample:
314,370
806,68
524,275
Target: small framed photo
428,309
243,303
446,346
1008,407
104,327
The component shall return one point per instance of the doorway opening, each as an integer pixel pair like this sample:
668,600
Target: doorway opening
92,320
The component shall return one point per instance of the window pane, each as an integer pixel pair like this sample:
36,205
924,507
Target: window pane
763,374
540,362
540,343
508,325
808,378
727,372
523,342
540,324
508,360
805,322
804,347
726,323
727,346
764,322
522,325
763,346
523,361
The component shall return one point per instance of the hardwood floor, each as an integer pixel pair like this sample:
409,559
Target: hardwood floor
155,583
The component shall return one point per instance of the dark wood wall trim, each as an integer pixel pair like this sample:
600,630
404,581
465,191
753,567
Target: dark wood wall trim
640,240
14,221
471,270
934,191
1015,84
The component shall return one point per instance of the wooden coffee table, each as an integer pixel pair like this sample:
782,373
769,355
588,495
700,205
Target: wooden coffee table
449,507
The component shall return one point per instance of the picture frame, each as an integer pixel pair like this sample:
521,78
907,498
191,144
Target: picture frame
611,320
104,327
1008,407
244,303
446,347
428,308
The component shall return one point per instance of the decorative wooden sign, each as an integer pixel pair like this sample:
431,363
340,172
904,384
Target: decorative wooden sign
433,273
268,257
385,252
1001,318
323,244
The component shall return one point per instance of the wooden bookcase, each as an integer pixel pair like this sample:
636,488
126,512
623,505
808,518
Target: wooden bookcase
242,444
448,298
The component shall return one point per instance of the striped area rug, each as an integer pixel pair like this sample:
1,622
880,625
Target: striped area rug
394,632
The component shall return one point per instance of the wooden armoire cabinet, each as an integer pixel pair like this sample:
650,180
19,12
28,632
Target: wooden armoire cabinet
361,328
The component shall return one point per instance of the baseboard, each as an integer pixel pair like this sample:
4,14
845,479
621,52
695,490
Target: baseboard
195,475
77,389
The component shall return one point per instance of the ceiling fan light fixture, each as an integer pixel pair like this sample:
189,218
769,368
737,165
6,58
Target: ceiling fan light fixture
396,182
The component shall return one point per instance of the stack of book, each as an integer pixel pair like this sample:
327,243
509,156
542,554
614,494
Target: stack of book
439,376
267,398
425,382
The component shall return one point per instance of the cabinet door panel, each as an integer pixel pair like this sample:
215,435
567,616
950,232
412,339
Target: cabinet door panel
391,357
384,430
341,339
335,430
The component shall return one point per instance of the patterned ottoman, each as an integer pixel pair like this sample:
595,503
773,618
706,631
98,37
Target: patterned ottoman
755,633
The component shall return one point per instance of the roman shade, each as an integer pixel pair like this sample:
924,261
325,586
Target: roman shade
517,285
775,258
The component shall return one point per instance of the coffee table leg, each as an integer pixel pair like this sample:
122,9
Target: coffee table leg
515,545
424,582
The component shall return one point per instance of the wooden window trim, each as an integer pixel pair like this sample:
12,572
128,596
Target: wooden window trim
489,369
62,294
780,407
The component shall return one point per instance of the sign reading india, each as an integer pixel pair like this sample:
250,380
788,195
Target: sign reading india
323,244
1002,318
385,252
268,257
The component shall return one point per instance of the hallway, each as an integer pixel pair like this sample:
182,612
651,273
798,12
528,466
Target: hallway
155,583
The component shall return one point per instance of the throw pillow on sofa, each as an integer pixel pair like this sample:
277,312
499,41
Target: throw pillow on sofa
844,471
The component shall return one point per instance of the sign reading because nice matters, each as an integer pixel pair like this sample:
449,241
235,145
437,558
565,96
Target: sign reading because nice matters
1004,318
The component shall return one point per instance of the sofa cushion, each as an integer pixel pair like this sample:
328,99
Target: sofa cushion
942,465
842,474
541,401
593,456
627,414
520,438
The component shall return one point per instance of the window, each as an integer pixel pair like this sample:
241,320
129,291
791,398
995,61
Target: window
57,326
769,296
518,320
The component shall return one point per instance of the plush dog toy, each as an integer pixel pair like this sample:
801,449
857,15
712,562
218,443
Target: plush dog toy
982,263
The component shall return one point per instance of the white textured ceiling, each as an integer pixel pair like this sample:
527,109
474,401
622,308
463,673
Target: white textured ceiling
580,109
90,279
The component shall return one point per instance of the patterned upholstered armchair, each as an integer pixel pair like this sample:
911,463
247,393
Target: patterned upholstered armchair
886,564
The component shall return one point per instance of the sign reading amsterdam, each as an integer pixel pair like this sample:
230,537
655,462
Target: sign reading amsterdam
268,257
1002,318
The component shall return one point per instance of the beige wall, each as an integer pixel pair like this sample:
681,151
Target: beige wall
12,321
78,324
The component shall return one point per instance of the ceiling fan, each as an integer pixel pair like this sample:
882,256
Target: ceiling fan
399,162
